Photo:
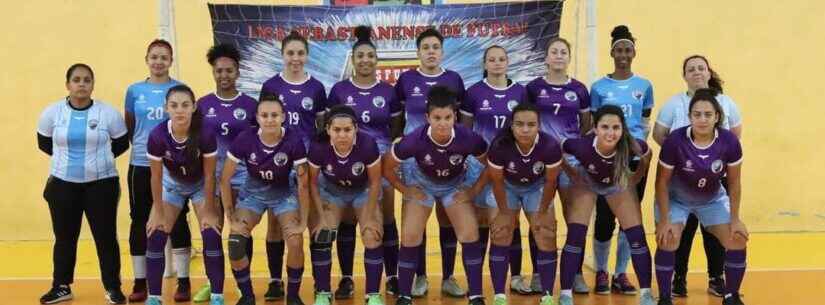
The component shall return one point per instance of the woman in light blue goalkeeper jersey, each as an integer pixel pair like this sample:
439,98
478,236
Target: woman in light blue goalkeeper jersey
697,74
144,110
634,95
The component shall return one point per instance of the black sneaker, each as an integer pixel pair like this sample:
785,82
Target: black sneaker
294,301
56,295
246,300
115,296
345,289
275,291
477,301
679,287
404,300
733,299
666,301
716,286
392,286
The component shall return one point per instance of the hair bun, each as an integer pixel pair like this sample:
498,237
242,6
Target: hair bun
620,31
362,32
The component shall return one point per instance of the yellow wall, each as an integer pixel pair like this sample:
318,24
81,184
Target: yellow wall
766,52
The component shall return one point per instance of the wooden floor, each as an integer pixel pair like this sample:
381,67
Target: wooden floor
779,288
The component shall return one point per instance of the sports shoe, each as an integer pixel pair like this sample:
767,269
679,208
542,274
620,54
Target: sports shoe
139,293
579,285
184,292
374,299
153,300
519,285
392,286
57,294
246,300
565,300
733,299
666,301
294,301
115,296
403,300
275,291
449,286
204,294
500,299
345,289
535,283
646,298
602,283
420,286
547,299
679,289
716,286
216,299
323,298
476,301
621,285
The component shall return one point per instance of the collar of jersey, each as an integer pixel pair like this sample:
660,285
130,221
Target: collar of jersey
430,135
428,75
536,141
281,74
496,88
597,150
354,141
569,80
229,100
169,127
687,134
283,135
351,81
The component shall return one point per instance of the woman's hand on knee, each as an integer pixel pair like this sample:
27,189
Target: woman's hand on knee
371,232
502,224
157,221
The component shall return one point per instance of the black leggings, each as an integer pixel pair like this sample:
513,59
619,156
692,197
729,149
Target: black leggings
714,251
68,201
140,204
605,219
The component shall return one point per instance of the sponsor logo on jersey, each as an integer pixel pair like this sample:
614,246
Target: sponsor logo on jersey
350,101
485,105
543,93
329,170
717,166
307,102
688,166
141,99
295,91
499,95
93,124
280,159
428,160
638,95
456,159
379,102
703,157
538,167
239,114
431,83
211,112
571,96
357,168
416,91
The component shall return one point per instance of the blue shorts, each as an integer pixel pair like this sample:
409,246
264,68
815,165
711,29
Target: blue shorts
714,212
598,188
276,202
176,193
526,197
237,180
343,197
441,191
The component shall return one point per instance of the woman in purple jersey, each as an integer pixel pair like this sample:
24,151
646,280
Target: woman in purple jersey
345,173
275,158
523,166
602,168
439,174
413,87
182,153
486,108
379,114
304,101
565,106
692,163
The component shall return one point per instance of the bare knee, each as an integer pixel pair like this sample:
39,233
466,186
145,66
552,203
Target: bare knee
545,238
371,238
295,243
466,234
502,237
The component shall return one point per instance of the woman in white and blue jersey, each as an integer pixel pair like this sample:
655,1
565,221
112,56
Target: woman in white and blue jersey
697,74
83,136
634,95
144,110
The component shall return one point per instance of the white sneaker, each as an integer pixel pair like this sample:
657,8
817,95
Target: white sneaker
519,285
579,285
420,286
450,287
535,283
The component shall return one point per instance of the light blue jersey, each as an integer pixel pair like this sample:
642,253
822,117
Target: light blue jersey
81,140
674,114
633,95
145,101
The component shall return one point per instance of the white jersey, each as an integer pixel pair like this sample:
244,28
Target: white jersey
674,114
82,140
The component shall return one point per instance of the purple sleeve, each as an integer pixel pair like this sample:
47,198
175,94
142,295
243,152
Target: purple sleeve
667,156
371,152
315,156
298,152
567,146
644,149
208,141
529,88
460,90
154,146
332,100
467,103
584,97
405,148
496,156
399,89
265,89
396,106
320,99
238,148
253,113
479,145
552,152
733,155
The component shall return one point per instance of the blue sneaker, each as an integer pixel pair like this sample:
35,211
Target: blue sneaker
565,300
153,300
216,299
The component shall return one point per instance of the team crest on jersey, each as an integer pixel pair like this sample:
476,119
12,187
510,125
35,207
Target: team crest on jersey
280,159
456,159
717,166
350,101
211,112
543,93
538,167
571,96
239,114
307,102
379,102
93,124
511,105
358,168
638,95
416,91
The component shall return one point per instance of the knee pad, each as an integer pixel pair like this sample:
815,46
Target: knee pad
237,244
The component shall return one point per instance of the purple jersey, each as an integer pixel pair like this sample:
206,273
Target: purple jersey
162,146
412,88
374,106
697,171
302,102
229,117
525,168
269,167
560,106
491,107
598,167
440,162
350,170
